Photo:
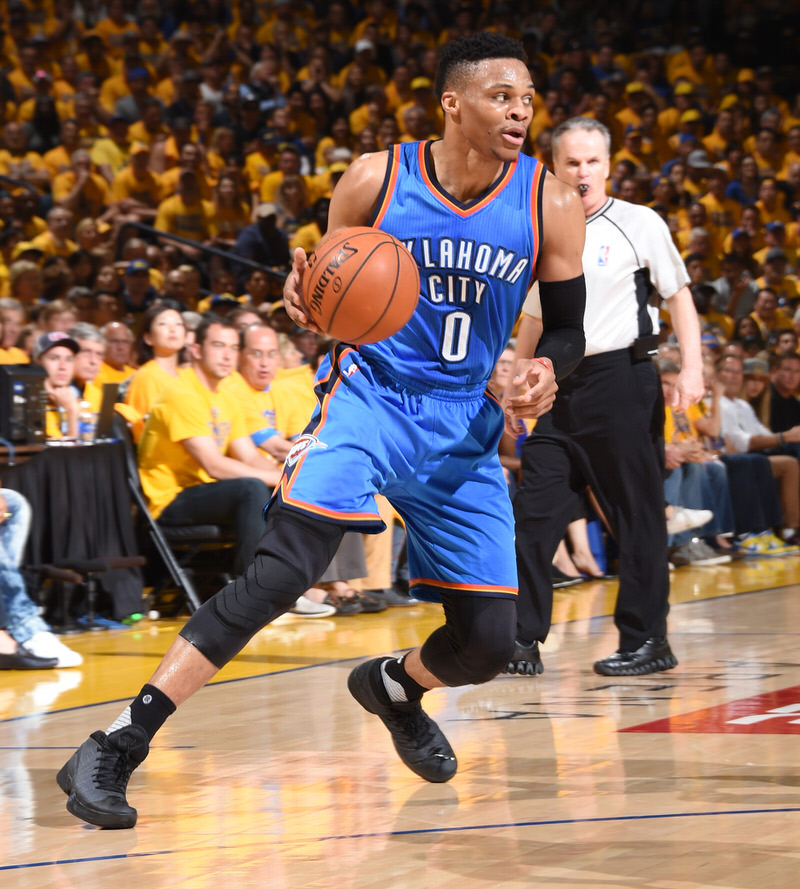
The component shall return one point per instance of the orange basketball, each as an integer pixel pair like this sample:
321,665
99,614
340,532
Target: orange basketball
361,285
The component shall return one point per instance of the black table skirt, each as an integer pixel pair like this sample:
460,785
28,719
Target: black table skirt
81,509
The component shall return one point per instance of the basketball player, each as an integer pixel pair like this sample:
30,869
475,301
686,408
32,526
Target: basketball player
408,417
606,427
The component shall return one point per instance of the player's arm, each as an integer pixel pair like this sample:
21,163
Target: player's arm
559,343
353,203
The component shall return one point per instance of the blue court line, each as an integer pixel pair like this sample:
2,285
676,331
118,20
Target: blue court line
416,832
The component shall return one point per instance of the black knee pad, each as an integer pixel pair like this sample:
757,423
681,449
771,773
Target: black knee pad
292,554
476,642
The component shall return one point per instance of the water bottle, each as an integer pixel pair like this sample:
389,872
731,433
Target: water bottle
85,423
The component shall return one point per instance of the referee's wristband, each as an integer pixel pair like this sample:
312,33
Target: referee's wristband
780,438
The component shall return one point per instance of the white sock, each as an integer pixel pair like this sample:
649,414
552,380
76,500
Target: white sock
124,719
396,692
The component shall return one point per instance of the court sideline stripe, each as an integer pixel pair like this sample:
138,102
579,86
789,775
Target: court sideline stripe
418,832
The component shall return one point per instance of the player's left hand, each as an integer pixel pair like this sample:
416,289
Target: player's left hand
689,389
536,386
293,289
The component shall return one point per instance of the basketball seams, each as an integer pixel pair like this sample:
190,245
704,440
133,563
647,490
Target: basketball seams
353,280
390,298
379,292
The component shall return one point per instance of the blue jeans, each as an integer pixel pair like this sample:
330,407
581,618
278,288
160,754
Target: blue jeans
22,616
701,486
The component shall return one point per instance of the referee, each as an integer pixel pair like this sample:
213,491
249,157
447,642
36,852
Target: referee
605,430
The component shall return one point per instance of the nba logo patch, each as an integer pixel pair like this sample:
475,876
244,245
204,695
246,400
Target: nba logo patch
602,257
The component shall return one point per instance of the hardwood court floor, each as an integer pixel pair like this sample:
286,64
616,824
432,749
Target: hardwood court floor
273,776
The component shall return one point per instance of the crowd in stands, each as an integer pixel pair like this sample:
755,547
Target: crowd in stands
135,136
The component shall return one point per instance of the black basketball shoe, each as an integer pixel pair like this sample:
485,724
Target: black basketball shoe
526,660
97,773
652,657
417,739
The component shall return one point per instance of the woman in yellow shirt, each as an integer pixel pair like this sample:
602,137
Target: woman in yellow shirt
162,339
231,213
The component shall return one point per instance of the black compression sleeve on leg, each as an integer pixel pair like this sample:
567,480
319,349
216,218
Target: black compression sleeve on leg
292,555
475,643
563,341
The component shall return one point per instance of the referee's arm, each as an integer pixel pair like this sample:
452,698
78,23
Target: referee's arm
690,387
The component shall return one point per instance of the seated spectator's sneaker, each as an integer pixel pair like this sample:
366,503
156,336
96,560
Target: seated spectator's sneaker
392,597
45,644
685,519
419,742
765,545
776,547
526,660
371,604
750,545
698,553
96,776
653,657
304,607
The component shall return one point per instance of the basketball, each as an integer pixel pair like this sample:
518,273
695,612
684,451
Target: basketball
361,285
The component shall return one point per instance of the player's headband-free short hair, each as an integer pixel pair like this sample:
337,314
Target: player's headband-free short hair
457,55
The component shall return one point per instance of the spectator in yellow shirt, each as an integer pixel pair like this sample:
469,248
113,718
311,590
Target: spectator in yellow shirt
766,313
150,128
81,190
197,462
186,214
113,27
231,212
190,158
775,278
251,386
18,162
309,235
55,241
55,351
116,366
59,159
775,237
135,189
288,165
723,213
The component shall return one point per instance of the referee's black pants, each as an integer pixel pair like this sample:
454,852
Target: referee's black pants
605,430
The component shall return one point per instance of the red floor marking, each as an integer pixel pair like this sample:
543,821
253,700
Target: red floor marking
775,713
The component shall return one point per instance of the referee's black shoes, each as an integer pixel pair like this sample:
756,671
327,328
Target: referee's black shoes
526,660
653,657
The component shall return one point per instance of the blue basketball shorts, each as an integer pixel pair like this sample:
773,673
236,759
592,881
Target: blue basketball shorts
433,455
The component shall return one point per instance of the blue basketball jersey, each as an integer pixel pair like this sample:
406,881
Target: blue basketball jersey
476,262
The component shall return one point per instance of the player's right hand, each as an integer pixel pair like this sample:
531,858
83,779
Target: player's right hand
535,388
293,292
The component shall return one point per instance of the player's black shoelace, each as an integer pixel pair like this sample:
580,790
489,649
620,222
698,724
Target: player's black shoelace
113,770
412,726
